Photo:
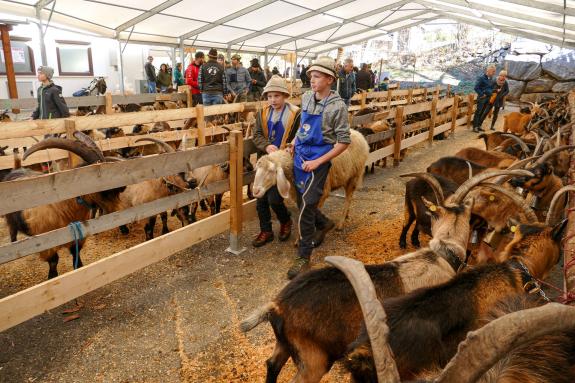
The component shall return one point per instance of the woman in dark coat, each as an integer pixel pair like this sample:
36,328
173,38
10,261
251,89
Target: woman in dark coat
497,99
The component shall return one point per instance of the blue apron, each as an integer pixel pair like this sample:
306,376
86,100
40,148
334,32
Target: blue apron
309,146
276,129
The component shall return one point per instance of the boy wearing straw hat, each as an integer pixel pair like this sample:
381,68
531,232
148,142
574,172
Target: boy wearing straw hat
276,125
322,135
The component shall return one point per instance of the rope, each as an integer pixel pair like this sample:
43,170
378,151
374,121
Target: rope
78,235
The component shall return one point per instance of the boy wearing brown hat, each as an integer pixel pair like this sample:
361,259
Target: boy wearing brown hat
323,135
276,125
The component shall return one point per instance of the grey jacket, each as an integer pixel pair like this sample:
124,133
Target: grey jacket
335,125
239,80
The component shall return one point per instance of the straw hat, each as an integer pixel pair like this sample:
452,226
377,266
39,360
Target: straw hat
323,64
237,57
276,84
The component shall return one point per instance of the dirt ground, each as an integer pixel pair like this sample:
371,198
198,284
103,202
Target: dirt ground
177,320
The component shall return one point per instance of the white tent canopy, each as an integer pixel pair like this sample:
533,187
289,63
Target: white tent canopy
280,26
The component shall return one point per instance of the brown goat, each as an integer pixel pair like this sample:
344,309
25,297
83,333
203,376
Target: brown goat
489,159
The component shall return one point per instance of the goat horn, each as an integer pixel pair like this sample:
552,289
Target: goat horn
114,159
516,198
86,140
167,148
521,143
432,182
465,187
539,122
551,213
539,146
520,164
552,152
374,316
503,335
79,148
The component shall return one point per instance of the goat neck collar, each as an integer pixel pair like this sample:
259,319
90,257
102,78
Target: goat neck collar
452,252
530,283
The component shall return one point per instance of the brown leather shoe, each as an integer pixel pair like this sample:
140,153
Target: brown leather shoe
263,238
319,235
285,231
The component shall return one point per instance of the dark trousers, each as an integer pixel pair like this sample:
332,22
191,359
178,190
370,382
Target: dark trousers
310,217
495,114
272,199
196,99
481,105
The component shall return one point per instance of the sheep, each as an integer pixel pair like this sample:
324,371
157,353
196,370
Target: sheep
316,315
491,159
45,218
346,171
427,325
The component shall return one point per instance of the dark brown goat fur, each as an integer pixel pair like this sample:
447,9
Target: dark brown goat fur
492,140
455,168
427,325
489,159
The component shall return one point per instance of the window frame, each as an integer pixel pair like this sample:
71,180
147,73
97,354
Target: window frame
32,68
90,73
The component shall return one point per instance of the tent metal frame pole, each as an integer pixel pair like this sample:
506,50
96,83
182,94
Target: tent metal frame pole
182,55
43,54
120,50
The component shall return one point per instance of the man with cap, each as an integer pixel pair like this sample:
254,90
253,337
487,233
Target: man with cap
239,80
276,125
51,104
258,81
192,73
212,80
150,70
322,135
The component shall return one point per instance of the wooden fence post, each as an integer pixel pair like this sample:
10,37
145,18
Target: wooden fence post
398,135
236,141
432,119
436,91
424,95
454,113
189,100
448,91
201,121
363,100
409,95
70,125
389,92
470,103
109,105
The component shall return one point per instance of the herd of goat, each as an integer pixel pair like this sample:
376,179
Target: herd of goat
495,221
496,226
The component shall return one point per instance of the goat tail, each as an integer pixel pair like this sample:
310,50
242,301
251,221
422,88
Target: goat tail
260,315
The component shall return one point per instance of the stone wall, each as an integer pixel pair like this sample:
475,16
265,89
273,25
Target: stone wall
535,70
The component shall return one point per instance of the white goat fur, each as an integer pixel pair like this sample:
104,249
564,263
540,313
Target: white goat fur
346,171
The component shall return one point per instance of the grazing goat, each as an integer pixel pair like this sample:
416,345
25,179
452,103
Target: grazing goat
491,159
455,169
346,171
427,325
316,315
45,218
517,122
492,140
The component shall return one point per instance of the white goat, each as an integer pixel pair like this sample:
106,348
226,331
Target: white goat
346,171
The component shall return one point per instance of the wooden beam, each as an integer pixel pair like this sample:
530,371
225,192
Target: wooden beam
48,188
109,103
236,189
398,135
73,160
19,307
9,63
432,120
470,102
201,124
454,112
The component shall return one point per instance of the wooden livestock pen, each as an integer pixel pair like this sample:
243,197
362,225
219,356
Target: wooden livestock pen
445,115
569,241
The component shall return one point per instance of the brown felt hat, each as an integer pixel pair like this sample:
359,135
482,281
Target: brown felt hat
276,84
323,64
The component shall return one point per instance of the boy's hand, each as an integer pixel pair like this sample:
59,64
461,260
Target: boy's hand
271,148
310,166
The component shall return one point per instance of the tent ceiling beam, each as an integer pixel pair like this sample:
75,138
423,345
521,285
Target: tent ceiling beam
42,3
545,6
223,20
146,15
336,25
292,20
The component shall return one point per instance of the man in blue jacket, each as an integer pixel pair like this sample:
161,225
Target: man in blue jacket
483,87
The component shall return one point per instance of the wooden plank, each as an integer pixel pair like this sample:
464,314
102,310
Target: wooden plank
442,128
469,109
23,103
236,189
363,99
360,120
417,108
400,93
432,120
379,154
462,121
416,126
398,135
380,136
74,102
389,95
397,102
454,112
444,103
419,92
387,115
410,96
411,141
26,304
73,160
109,103
201,124
49,188
377,94
54,238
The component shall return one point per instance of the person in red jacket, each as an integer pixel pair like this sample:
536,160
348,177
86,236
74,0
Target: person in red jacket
192,73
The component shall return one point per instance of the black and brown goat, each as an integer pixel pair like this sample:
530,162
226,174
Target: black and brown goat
455,169
45,218
316,315
427,325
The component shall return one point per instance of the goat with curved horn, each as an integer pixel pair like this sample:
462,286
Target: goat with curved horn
79,148
516,198
167,148
466,187
486,346
552,152
520,164
517,139
373,314
553,206
540,143
85,139
433,183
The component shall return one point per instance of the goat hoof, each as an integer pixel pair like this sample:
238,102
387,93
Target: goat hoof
417,245
402,245
124,230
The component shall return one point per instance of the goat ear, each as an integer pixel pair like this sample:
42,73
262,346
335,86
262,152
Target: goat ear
468,203
431,206
282,182
557,232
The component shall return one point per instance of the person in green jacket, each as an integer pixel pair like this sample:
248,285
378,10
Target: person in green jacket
178,77
164,78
